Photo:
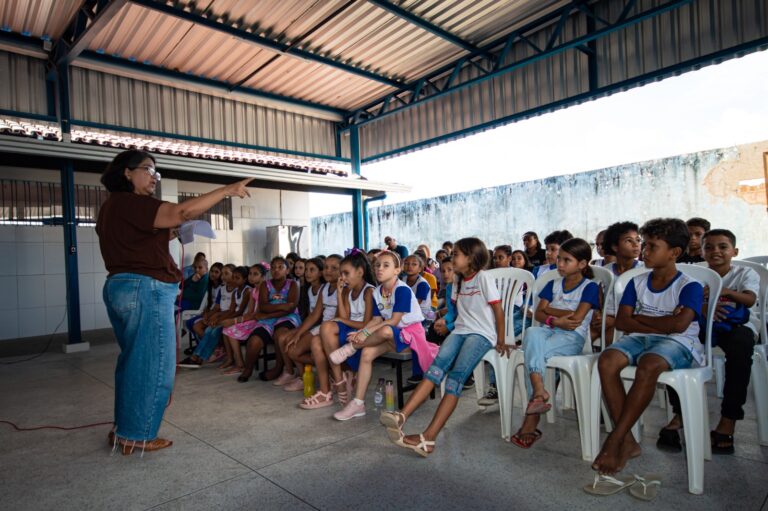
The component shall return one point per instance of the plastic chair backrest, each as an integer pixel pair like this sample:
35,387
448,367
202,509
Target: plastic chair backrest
542,281
762,298
604,278
763,260
703,275
510,282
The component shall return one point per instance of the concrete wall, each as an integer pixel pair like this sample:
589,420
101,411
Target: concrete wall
722,185
33,297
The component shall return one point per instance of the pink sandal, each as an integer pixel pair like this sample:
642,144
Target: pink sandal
318,400
342,390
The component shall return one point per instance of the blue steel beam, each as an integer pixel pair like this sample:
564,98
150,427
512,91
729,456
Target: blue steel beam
358,225
426,25
369,112
92,16
269,44
675,70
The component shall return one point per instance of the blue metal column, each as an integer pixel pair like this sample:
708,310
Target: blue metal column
366,220
68,209
358,224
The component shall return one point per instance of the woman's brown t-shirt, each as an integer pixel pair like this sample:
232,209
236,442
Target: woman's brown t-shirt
129,243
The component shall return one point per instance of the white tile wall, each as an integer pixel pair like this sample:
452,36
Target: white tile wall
9,324
56,317
29,259
32,267
31,291
9,298
53,258
8,258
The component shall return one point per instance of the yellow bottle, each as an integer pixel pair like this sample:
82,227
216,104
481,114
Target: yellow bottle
309,381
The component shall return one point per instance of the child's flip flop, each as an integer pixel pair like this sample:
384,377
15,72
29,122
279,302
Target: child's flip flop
537,406
605,485
646,488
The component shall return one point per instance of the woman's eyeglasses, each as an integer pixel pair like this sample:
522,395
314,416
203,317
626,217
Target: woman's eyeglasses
150,170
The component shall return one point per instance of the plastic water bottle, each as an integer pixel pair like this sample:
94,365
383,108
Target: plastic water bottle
309,381
378,396
390,396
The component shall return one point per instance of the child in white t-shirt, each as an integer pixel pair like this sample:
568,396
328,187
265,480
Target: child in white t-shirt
479,327
658,310
733,333
564,310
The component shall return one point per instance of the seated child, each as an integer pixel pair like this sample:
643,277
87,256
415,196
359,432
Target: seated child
396,326
733,333
564,311
479,328
697,227
552,243
243,325
195,287
659,312
605,258
214,281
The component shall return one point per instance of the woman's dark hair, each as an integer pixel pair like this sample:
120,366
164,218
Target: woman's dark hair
582,251
528,264
360,260
304,291
113,178
672,231
261,269
279,259
538,242
614,232
211,285
476,250
242,271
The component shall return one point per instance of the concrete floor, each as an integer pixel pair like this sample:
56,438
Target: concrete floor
246,446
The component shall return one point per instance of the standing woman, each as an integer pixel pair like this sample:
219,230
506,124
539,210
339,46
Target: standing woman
134,229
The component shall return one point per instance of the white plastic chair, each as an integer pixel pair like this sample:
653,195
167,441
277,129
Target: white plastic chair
189,314
577,370
509,281
759,375
688,383
763,259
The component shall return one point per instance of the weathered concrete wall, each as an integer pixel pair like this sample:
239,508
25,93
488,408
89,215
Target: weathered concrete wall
722,185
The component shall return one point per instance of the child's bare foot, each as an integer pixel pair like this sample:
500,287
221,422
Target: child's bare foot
614,455
271,374
233,369
226,364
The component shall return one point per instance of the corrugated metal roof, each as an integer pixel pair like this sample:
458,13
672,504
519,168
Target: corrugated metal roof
357,33
38,18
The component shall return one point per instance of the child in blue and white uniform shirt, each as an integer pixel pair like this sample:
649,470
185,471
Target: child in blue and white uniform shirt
565,310
733,332
552,244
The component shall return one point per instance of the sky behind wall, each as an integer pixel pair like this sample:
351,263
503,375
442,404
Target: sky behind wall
717,106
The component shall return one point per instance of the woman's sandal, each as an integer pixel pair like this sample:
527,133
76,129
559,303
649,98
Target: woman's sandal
717,440
526,440
421,447
538,405
318,400
128,447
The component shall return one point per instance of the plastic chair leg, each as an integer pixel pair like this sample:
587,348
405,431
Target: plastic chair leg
504,387
693,402
581,386
479,374
719,363
568,394
595,405
549,384
520,375
760,389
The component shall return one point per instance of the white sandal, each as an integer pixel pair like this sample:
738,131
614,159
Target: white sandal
342,392
421,447
646,488
605,485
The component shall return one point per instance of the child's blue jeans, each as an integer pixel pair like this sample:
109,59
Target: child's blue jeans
542,343
457,358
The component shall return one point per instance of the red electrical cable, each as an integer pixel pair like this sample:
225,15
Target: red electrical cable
63,428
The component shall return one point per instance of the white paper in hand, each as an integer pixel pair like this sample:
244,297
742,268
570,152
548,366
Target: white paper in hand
187,231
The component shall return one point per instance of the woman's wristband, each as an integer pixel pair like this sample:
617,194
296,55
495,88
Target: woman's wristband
550,321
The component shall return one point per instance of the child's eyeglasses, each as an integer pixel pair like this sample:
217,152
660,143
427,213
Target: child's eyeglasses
150,170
